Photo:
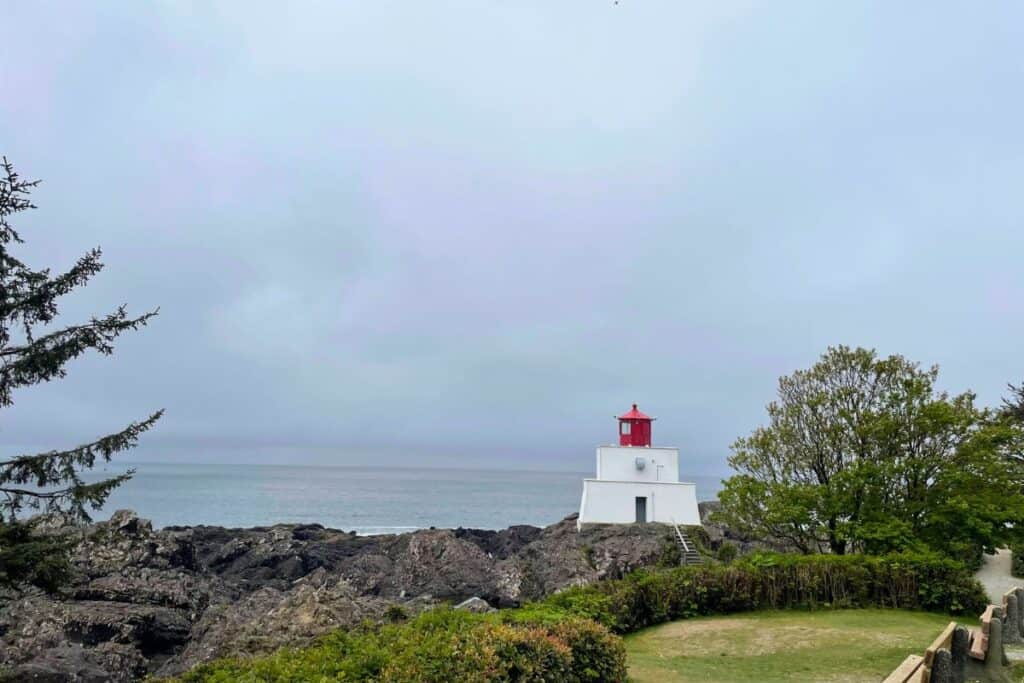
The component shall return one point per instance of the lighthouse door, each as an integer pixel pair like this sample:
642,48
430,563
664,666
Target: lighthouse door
641,509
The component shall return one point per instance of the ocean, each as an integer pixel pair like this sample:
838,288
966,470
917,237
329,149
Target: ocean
362,499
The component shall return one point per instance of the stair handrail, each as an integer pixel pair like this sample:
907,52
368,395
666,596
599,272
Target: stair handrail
680,536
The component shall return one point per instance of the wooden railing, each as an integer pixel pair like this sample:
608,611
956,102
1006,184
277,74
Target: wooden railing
949,658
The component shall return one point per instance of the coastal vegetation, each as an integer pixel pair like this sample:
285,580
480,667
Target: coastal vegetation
864,454
568,636
765,581
888,489
33,353
440,645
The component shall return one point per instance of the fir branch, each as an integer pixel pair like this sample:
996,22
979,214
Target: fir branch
14,194
45,469
31,295
71,500
30,557
44,358
51,482
1013,406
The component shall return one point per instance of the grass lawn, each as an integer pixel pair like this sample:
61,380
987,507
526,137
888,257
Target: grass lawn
841,646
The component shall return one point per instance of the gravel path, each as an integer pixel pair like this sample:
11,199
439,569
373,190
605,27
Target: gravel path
995,575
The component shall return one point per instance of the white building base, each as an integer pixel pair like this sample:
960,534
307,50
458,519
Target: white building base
616,502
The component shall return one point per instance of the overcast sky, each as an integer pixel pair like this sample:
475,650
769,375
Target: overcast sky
469,233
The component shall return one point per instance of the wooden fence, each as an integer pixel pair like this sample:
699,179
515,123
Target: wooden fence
959,649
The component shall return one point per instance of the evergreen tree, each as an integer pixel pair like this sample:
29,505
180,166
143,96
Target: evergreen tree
32,352
1013,405
1012,414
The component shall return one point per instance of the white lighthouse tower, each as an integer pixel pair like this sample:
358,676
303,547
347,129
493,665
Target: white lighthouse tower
637,483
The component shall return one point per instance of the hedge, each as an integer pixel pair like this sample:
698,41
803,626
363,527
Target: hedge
769,581
1017,561
557,639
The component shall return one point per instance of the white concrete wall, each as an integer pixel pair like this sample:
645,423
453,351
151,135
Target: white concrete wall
619,463
614,502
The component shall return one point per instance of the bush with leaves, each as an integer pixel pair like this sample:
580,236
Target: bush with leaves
442,645
771,581
1017,561
727,552
569,636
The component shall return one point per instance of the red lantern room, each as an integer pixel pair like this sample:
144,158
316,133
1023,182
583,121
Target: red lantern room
635,428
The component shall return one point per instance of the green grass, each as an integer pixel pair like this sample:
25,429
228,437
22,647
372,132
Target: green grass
839,646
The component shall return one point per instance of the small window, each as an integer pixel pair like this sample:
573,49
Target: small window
625,428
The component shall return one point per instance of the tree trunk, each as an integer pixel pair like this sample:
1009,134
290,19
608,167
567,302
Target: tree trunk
835,544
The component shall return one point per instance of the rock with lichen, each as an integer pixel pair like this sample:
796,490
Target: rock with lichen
147,601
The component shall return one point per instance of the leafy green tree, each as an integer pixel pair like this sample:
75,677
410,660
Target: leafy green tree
32,352
862,453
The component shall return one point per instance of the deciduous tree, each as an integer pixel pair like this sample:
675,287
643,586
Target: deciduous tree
864,453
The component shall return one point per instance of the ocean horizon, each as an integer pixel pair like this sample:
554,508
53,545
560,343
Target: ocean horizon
365,499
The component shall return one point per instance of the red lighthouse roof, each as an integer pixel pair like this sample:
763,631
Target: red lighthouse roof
635,428
635,414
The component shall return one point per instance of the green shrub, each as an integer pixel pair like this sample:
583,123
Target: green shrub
568,636
394,614
441,645
527,654
727,552
596,655
669,555
1017,561
588,555
772,581
699,536
970,553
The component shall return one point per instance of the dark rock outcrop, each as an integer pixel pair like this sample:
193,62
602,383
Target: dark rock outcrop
718,533
148,601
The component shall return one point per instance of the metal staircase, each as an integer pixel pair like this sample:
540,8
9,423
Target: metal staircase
687,550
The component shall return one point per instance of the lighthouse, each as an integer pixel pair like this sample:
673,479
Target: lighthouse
637,482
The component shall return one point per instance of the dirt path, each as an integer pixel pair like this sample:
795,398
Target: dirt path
995,575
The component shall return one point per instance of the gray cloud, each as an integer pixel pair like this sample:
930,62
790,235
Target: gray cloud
469,232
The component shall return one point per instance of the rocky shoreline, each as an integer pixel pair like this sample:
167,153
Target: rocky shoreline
157,602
